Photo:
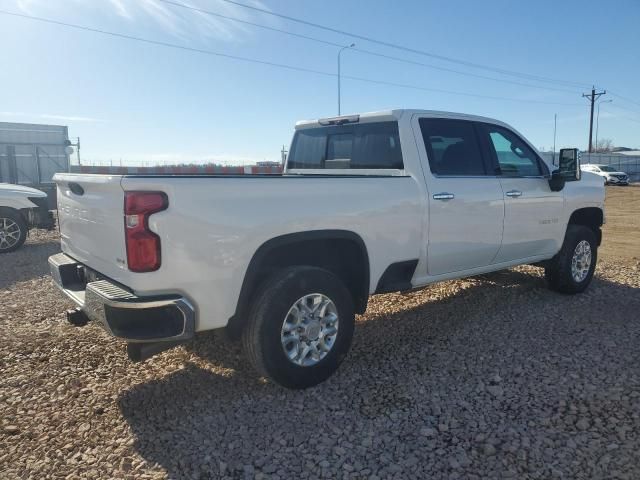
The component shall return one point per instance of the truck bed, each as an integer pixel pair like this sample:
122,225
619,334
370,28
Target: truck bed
215,223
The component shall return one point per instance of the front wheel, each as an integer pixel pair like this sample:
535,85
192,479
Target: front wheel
300,326
13,230
571,270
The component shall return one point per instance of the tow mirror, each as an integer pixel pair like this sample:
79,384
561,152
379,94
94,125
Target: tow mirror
569,164
568,169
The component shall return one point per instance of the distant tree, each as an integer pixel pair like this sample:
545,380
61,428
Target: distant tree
604,145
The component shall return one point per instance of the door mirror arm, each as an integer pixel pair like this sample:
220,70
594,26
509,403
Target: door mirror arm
557,181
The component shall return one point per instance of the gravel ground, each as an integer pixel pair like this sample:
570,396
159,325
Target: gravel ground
490,377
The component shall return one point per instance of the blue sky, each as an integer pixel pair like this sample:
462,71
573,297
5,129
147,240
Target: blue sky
137,102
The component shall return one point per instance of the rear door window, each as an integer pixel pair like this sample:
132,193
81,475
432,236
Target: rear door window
452,147
361,146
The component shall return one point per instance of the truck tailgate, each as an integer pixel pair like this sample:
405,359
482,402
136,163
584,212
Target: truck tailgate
91,219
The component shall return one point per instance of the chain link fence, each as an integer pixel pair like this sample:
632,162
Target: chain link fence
629,164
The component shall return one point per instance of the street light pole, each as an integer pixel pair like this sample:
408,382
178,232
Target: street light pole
555,125
598,119
339,52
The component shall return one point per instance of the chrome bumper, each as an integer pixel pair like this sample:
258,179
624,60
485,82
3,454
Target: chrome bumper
122,313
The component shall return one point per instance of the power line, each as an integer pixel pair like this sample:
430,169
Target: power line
271,64
629,110
441,57
445,69
367,52
625,110
401,47
466,94
624,98
165,44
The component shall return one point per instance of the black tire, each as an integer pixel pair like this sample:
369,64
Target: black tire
558,269
261,337
9,215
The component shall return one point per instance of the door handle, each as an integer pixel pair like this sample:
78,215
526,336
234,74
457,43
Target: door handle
443,196
514,193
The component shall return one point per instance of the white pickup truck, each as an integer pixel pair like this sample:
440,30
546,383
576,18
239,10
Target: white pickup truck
371,203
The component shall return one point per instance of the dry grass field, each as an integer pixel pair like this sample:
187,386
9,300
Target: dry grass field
621,234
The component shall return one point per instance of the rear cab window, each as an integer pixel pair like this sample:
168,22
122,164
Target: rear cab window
363,146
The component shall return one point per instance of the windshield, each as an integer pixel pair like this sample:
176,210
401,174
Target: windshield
607,168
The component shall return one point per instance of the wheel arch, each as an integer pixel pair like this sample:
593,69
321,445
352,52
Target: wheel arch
20,213
17,211
591,217
342,252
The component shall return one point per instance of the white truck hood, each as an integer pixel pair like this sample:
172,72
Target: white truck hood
12,189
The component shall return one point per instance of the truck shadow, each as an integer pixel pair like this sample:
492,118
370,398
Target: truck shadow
418,365
29,261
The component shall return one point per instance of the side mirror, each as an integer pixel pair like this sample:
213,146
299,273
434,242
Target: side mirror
569,164
568,169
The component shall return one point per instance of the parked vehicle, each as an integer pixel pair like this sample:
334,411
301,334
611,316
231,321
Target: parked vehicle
21,208
371,203
611,175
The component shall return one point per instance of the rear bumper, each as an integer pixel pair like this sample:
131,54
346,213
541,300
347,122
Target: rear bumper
122,313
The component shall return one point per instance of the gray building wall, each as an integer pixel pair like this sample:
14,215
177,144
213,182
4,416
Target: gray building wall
30,154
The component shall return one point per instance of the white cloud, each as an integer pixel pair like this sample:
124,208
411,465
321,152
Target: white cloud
183,23
26,5
165,18
71,118
120,9
35,117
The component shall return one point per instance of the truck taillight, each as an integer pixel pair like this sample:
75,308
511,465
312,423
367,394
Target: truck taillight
143,246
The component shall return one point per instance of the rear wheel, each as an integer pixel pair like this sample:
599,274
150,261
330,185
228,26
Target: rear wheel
571,270
13,230
300,326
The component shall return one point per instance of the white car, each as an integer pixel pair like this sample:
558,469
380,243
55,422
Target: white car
610,174
21,208
372,203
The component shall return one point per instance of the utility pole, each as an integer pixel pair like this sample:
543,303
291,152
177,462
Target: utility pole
592,98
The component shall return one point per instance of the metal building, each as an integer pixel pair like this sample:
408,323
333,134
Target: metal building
30,154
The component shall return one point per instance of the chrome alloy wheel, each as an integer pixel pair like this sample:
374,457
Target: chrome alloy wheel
310,329
581,261
9,233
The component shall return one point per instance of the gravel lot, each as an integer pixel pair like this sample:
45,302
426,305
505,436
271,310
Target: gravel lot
493,376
